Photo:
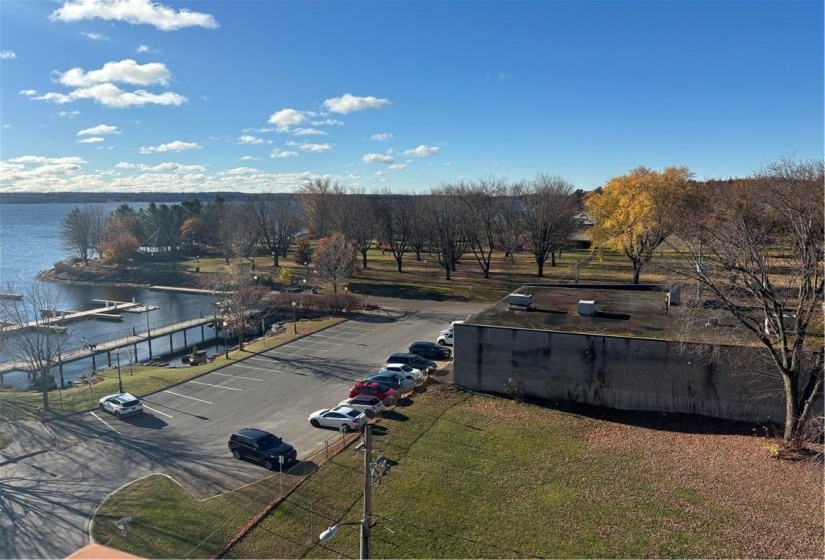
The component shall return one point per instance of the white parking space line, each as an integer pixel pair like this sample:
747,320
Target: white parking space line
257,368
213,385
238,376
157,411
107,424
343,340
311,342
186,397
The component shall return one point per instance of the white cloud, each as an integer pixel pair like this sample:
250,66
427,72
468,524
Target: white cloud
93,36
68,114
249,158
99,129
134,12
92,140
382,137
327,122
315,148
27,92
249,139
286,118
125,71
46,160
176,146
308,132
7,55
422,151
378,158
398,167
238,171
141,49
167,167
349,103
280,154
110,95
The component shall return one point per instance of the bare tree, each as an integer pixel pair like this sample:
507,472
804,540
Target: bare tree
755,247
549,216
393,221
77,235
357,222
31,337
319,197
417,207
335,259
279,222
447,224
241,300
240,233
482,201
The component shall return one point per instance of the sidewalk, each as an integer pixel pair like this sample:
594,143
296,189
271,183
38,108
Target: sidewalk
28,438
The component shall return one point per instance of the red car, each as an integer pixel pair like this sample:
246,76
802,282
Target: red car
371,388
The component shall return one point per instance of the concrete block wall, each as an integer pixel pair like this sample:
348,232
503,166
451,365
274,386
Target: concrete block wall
618,372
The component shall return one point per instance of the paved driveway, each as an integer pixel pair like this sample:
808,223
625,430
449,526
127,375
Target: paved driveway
46,500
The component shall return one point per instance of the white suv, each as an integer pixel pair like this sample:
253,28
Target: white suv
121,404
445,338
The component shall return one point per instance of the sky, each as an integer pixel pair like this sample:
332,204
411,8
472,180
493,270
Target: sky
262,96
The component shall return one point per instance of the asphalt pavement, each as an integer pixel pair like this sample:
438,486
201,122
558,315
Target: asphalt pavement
54,474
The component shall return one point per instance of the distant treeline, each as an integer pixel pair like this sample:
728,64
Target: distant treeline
101,197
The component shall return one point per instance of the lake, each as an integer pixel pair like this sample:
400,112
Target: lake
30,242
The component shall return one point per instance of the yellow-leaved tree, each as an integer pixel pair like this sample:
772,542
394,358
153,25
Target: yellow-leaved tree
631,213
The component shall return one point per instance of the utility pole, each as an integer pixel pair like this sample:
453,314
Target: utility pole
365,522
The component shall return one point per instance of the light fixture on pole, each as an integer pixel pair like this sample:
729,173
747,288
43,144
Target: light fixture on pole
273,260
294,322
198,267
425,267
119,378
346,299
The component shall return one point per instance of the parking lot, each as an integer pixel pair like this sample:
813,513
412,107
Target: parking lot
184,429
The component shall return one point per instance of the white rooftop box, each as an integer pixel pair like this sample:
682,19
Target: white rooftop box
587,307
524,300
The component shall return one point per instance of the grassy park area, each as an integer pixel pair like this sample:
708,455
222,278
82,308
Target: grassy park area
483,477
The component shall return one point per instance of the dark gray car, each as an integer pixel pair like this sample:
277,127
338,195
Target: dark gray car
261,446
430,350
413,360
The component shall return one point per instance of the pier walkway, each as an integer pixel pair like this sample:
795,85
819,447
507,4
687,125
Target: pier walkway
123,343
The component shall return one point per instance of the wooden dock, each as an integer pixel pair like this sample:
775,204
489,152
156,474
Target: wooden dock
110,346
63,317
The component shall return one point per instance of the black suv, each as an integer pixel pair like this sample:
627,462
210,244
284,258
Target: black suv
413,360
430,350
262,447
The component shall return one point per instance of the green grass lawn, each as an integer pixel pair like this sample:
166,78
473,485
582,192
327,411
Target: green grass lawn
477,477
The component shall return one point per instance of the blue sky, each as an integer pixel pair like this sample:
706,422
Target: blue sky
259,96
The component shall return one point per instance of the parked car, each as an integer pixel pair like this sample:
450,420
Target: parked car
371,388
394,380
262,447
365,403
413,360
405,371
341,418
445,338
121,404
430,350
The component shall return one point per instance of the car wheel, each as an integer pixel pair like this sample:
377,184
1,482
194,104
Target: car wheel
236,454
117,415
269,464
101,406
347,429
315,423
442,343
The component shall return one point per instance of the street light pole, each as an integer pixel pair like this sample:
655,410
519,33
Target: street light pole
366,521
198,267
119,378
294,321
273,260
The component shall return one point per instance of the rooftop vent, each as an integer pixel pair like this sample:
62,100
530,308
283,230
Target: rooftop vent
587,307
